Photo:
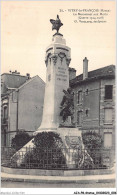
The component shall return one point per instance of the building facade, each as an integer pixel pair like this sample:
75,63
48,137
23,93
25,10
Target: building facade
21,105
94,102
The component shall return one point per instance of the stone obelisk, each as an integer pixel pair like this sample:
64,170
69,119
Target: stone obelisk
57,60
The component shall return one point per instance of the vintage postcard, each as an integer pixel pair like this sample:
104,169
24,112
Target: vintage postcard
58,97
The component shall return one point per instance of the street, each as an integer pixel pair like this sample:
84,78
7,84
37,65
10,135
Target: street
9,184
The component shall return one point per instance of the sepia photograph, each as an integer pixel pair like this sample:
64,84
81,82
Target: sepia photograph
58,96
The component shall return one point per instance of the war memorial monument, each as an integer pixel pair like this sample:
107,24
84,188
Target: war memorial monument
58,104
63,148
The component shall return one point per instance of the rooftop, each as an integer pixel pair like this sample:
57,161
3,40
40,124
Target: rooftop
12,80
95,74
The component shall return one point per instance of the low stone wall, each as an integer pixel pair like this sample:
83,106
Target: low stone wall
42,172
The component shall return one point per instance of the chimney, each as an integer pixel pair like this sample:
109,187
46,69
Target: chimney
15,72
85,68
28,75
72,73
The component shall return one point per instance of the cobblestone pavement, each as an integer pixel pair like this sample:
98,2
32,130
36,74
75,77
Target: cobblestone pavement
9,184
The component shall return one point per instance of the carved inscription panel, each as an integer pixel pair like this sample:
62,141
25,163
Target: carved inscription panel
61,74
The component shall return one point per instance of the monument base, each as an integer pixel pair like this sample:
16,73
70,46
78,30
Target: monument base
72,148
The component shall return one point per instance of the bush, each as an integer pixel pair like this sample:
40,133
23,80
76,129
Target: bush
47,152
93,144
47,140
20,140
92,140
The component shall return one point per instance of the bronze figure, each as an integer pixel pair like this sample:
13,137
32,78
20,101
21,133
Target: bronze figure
67,104
56,24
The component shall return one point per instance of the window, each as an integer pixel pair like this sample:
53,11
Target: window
1,112
87,112
108,92
107,140
87,92
5,112
4,138
73,94
79,97
79,117
108,115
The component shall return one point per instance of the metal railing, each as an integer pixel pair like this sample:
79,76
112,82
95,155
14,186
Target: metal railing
52,158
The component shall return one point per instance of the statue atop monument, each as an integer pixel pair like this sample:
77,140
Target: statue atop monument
56,24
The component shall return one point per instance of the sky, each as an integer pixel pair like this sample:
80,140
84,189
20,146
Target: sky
26,32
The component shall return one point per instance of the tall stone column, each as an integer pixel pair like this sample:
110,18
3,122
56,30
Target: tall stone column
57,60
